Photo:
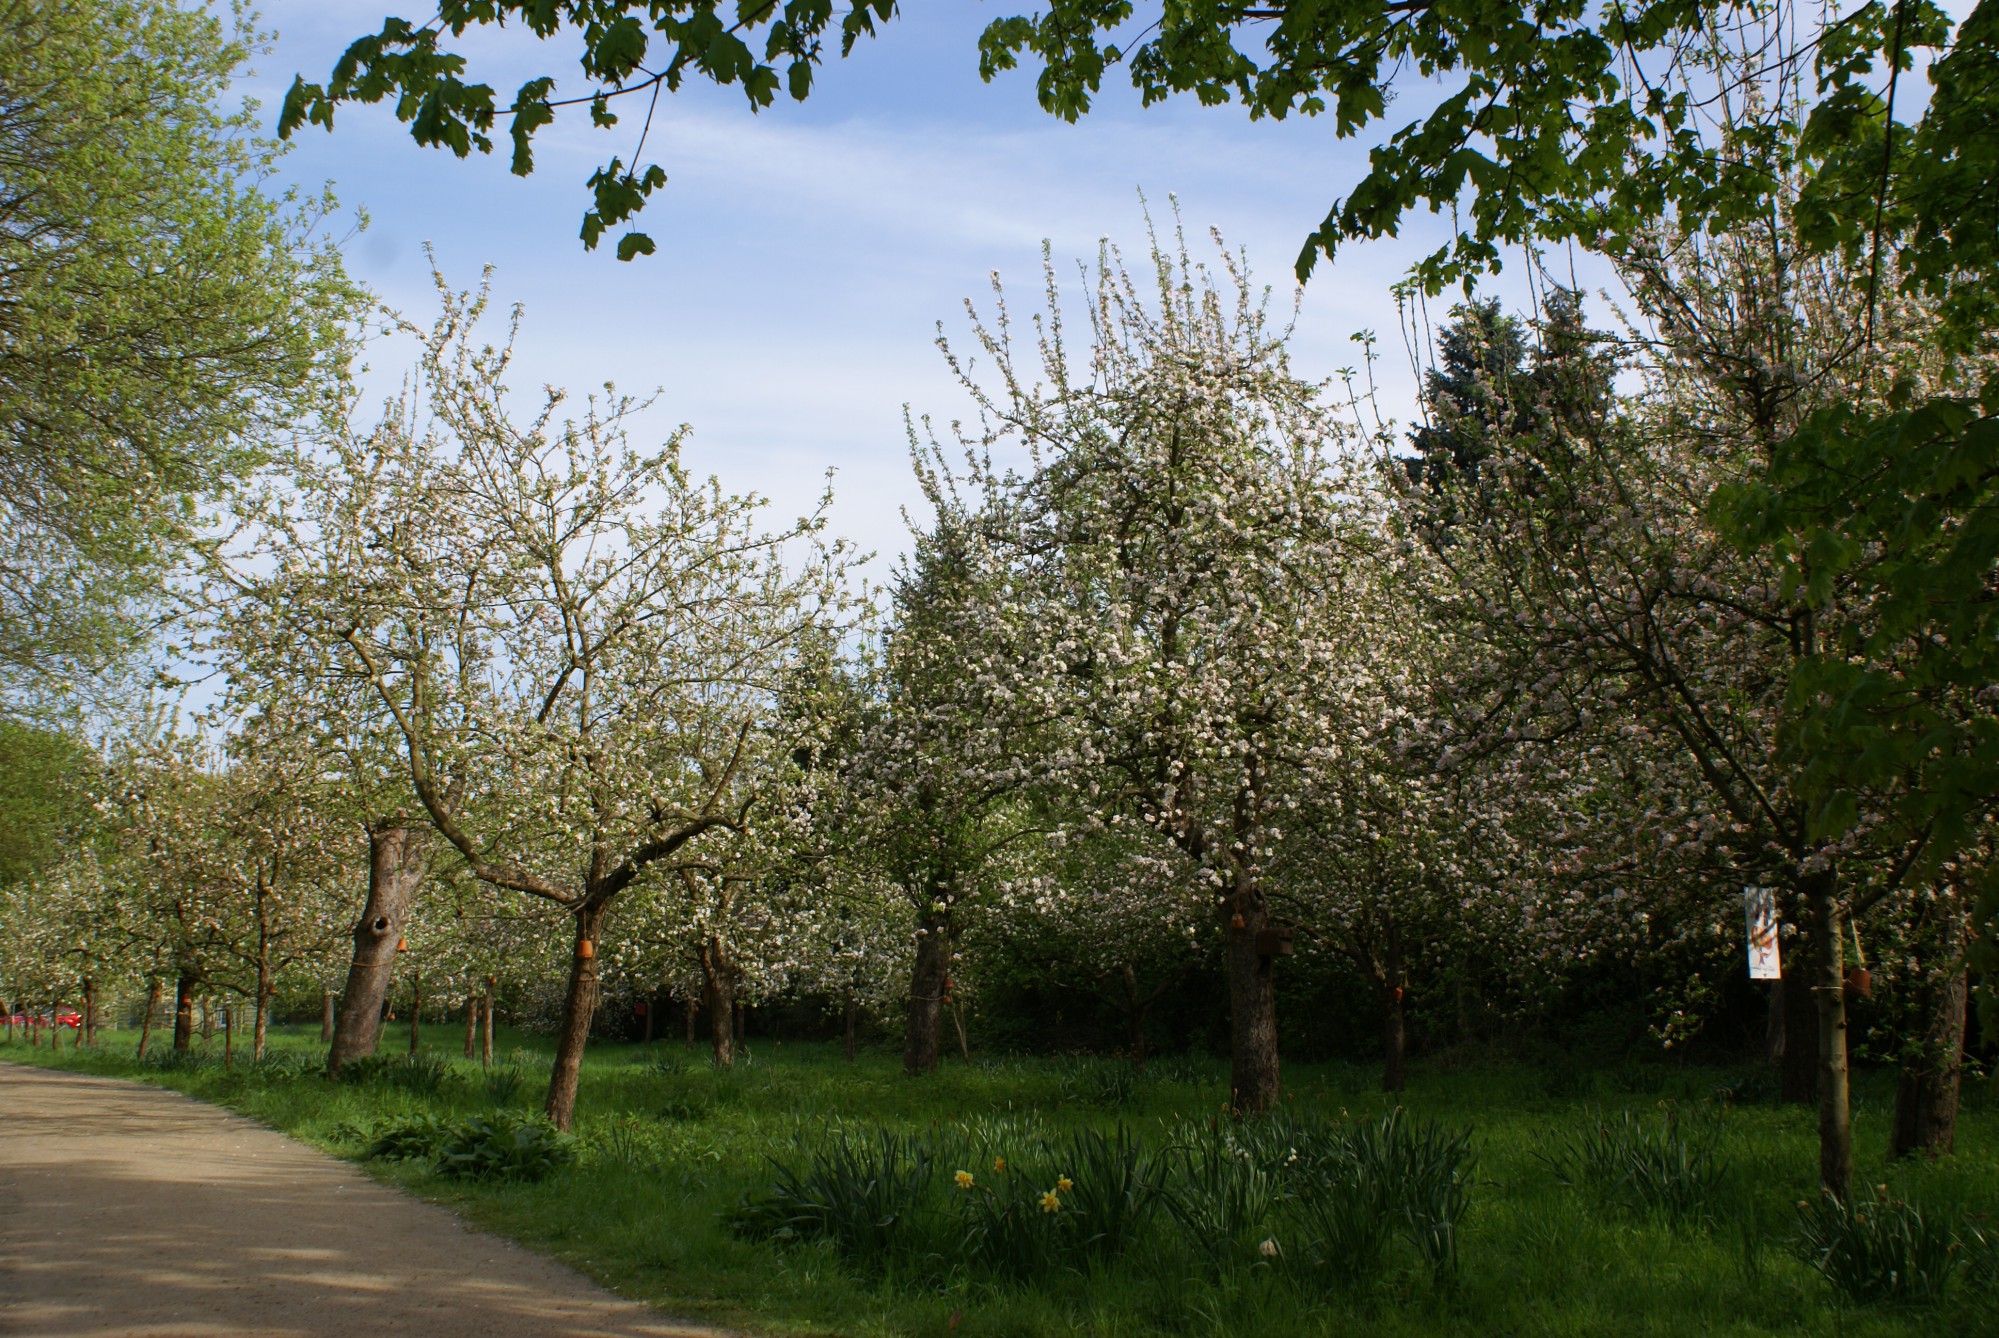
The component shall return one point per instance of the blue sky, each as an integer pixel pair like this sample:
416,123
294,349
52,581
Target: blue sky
807,253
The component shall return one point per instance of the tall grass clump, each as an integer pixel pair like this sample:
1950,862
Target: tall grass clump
1875,1247
1671,1166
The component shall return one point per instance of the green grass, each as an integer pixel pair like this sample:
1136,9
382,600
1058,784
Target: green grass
669,1148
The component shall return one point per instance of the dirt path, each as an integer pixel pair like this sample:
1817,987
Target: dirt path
132,1211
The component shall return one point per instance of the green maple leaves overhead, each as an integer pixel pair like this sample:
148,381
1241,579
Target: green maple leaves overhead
630,47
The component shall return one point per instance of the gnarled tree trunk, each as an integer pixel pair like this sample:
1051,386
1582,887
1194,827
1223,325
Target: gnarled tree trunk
395,867
579,1007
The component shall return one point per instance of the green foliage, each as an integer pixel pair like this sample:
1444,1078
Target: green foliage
132,392
47,781
1671,1166
503,1082
419,1074
1107,1084
1879,1247
479,1147
501,1146
858,1190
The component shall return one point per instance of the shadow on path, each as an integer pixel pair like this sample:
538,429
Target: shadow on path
129,1210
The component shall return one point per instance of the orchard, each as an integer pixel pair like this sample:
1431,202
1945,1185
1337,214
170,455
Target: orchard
1258,857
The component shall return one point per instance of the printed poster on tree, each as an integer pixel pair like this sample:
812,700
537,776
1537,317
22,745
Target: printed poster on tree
1761,908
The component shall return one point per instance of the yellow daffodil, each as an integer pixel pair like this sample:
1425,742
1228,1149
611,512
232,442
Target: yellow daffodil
1050,1204
964,1179
1064,1184
999,1164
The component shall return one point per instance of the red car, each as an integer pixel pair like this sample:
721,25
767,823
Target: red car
67,1017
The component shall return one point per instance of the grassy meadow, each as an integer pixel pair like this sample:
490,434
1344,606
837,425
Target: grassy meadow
801,1193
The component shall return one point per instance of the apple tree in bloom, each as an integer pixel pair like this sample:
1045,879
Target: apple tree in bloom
577,644
1178,547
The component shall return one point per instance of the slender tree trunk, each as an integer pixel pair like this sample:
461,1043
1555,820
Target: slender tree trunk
184,987
266,990
471,1024
692,1009
486,1024
1926,1092
326,1014
416,1011
89,1033
1394,1029
718,982
153,990
395,866
1835,1102
228,1037
1253,1072
1134,1014
926,993
852,1020
651,1007
579,1006
958,1025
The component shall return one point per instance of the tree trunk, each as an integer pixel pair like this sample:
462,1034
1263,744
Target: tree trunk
579,1006
89,1033
1926,1092
1798,1075
325,1014
266,990
1835,1107
692,1009
853,1029
395,866
1253,1074
718,983
416,1011
926,994
486,1024
471,1024
228,1037
1134,1014
184,987
651,1006
153,991
1394,1029
958,1025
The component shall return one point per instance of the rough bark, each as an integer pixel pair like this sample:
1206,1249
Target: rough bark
1253,1072
326,1014
228,1037
718,985
1927,1090
579,1007
926,994
471,1024
153,991
185,985
1835,1102
395,866
486,1024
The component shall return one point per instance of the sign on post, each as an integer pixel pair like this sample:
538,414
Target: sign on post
1760,906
